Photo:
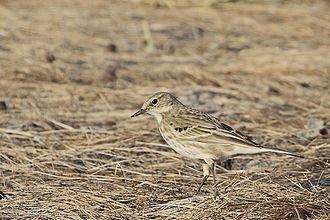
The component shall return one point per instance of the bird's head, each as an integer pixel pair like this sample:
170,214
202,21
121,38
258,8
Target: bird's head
158,104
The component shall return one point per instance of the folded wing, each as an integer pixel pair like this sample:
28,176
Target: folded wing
207,129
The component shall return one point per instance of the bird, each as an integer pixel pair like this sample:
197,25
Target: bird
198,135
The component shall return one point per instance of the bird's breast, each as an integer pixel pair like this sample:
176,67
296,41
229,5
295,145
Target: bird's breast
180,146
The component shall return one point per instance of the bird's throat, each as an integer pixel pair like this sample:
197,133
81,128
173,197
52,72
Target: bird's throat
158,116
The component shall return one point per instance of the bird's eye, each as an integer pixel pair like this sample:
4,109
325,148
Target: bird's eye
154,101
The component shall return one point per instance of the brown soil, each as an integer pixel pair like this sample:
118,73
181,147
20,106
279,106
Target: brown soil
72,72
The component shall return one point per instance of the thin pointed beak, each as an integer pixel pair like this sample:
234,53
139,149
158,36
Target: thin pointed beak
140,112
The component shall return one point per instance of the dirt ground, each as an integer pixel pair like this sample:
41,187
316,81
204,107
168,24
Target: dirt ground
72,72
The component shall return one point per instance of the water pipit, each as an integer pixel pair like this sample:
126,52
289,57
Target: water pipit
198,135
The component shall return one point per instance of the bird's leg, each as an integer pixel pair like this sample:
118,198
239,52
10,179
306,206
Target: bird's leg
206,171
214,183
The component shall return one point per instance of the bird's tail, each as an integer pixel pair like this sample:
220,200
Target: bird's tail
281,152
241,149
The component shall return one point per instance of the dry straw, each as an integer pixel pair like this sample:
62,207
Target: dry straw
69,150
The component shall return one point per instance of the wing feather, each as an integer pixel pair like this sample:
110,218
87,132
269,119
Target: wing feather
207,129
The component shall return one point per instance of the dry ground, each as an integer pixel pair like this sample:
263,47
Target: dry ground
72,72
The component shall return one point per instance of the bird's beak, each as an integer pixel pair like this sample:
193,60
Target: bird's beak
140,112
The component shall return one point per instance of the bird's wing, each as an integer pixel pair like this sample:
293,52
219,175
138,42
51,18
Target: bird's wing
238,134
207,129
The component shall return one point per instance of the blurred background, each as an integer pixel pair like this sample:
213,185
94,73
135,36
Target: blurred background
72,72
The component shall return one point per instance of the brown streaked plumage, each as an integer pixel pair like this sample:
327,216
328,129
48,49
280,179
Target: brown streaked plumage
198,135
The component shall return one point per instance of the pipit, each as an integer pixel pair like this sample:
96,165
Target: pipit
198,135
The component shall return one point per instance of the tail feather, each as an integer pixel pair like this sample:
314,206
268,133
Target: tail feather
240,150
282,152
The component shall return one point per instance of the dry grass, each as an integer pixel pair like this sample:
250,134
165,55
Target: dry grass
73,72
